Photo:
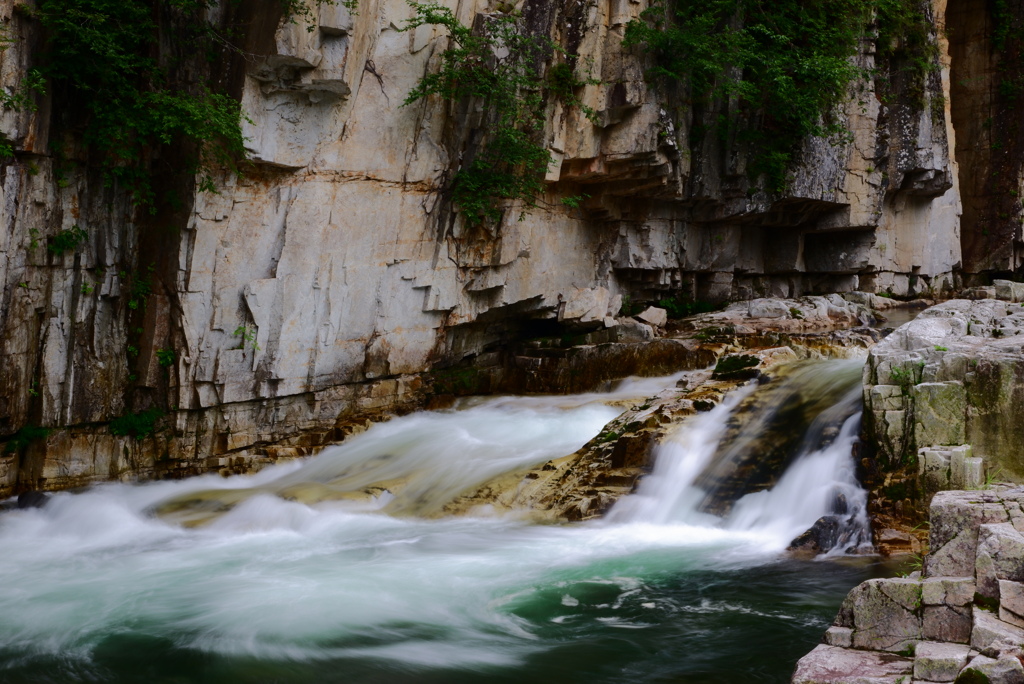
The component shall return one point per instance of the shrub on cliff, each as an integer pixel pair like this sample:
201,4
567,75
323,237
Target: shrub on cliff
501,66
783,66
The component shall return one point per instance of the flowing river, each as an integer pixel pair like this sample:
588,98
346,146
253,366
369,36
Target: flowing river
96,588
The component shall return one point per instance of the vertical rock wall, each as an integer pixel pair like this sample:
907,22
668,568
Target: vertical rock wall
318,286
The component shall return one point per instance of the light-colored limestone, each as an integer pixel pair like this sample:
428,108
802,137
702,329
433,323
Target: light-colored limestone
939,662
834,665
339,257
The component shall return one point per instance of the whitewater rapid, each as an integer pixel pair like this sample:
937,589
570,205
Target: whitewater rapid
282,580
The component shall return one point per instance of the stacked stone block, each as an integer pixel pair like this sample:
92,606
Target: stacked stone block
959,620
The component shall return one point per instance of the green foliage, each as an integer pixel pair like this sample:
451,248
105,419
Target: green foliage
500,66
574,201
904,378
629,307
295,9
681,306
23,96
248,337
66,240
460,381
24,437
102,54
138,425
140,286
166,357
904,35
785,64
735,366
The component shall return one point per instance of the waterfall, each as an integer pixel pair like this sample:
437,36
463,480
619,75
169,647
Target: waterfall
819,484
294,574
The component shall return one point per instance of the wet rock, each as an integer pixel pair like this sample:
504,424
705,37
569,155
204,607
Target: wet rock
985,670
834,665
957,618
655,316
891,542
32,499
938,662
821,537
771,427
737,367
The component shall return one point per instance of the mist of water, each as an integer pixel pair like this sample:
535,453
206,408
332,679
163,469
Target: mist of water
343,580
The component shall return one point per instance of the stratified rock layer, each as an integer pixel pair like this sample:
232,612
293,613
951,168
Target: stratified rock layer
317,288
944,403
959,618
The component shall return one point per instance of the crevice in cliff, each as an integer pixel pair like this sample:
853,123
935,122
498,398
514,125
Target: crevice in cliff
986,96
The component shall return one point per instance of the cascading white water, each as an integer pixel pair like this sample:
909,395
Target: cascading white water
810,489
667,495
806,491
339,582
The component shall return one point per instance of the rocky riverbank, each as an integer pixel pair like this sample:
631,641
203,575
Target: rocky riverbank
944,405
961,618
589,358
944,414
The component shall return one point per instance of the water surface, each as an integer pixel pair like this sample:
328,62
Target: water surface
95,588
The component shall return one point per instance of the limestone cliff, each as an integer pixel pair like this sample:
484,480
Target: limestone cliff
322,283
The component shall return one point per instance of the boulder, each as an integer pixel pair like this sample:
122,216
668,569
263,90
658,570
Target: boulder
886,614
630,330
953,538
938,662
655,316
1000,556
991,636
822,536
984,670
834,665
1008,290
1011,602
839,636
32,499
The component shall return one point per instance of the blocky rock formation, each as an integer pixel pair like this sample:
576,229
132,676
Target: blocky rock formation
959,619
314,290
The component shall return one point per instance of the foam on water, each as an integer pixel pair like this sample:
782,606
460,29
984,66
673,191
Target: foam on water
280,579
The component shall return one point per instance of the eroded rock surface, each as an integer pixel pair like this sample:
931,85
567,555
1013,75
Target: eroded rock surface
944,405
317,288
958,618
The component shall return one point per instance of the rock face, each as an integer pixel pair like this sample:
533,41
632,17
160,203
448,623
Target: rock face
317,288
944,400
958,617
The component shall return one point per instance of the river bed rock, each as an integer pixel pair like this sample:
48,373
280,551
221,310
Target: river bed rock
957,617
944,407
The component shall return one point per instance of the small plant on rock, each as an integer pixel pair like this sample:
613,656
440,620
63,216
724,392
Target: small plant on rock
138,425
499,66
248,337
66,240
